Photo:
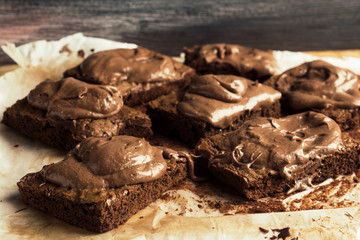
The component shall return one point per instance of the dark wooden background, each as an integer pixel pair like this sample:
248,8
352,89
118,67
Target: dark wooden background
167,26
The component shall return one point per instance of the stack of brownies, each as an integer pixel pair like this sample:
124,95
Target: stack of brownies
261,133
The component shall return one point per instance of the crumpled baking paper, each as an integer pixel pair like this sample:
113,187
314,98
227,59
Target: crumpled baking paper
187,212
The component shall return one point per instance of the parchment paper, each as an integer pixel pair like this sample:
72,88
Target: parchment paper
191,211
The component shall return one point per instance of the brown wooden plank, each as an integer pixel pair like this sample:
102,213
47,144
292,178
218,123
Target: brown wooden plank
280,24
329,53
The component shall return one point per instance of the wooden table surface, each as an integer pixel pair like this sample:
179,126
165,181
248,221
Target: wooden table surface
168,26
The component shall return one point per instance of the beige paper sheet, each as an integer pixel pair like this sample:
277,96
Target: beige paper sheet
183,215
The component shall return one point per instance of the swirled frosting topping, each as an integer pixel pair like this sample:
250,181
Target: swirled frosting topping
281,145
239,60
70,98
319,85
137,65
99,163
219,99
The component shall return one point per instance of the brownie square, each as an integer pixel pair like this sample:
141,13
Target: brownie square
97,210
140,74
65,134
256,169
322,87
231,59
169,120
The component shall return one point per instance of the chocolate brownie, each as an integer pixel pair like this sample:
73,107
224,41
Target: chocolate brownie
62,113
232,59
322,87
212,104
140,74
103,181
268,156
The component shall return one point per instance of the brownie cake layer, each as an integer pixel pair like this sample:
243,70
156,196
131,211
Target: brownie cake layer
259,170
167,120
102,182
140,74
321,87
231,59
102,210
173,115
65,134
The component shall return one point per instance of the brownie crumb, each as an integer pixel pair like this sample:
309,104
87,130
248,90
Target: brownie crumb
357,173
283,233
81,53
263,230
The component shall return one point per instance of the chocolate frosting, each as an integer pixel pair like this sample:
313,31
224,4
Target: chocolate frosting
70,98
219,99
280,146
243,61
139,65
99,163
319,85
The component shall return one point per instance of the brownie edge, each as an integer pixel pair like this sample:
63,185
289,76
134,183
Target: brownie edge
97,210
167,120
